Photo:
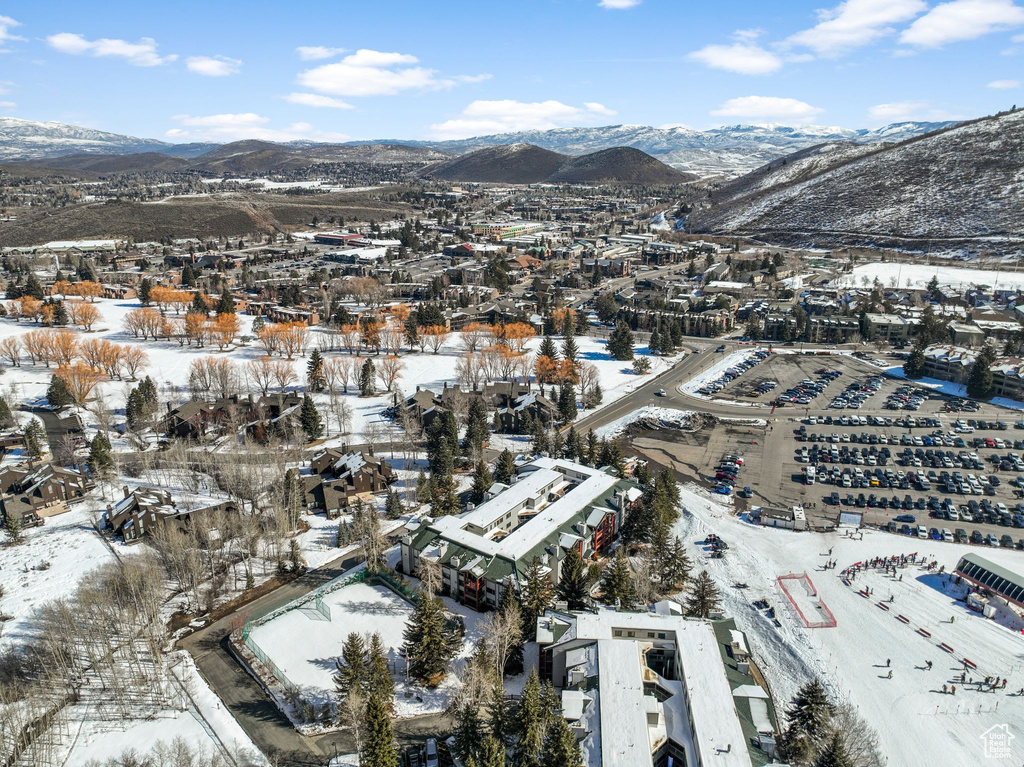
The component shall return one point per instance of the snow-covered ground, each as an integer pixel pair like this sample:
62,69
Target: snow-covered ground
917,724
953,389
714,372
363,608
899,275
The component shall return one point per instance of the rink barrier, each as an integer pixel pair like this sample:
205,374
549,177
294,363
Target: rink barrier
903,618
864,593
945,647
970,664
884,606
925,633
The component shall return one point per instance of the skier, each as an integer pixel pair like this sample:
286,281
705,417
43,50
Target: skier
890,674
943,689
953,688
929,664
887,664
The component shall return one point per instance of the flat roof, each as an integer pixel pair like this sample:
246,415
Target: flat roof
998,570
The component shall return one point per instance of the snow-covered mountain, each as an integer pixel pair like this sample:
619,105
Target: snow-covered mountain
27,140
729,150
961,184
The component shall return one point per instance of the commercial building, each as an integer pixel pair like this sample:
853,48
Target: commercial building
505,231
656,688
552,507
991,578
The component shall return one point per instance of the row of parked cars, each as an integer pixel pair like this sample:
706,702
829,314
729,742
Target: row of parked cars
727,473
869,456
809,388
762,388
852,419
872,438
935,458
960,536
856,394
962,406
906,398
734,372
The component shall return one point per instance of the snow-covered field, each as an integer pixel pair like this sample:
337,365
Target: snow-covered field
169,366
363,608
917,724
725,362
899,275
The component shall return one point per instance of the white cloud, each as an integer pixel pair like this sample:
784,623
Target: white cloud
855,23
1004,85
767,109
213,66
316,52
5,87
316,100
245,125
504,116
141,54
6,23
897,111
742,58
962,20
7,105
619,5
377,73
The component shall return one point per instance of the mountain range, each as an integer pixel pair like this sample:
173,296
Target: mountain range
962,183
729,150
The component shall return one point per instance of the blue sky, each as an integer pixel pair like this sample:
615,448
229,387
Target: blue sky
201,71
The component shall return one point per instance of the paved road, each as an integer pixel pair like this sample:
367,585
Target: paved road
268,728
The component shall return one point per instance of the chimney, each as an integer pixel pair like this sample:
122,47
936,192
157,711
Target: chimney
126,491
168,406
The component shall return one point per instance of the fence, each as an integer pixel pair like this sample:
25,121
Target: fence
817,614
263,658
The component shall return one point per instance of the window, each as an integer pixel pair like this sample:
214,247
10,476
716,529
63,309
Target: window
631,634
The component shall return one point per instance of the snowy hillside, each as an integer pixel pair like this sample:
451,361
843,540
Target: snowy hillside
963,183
27,140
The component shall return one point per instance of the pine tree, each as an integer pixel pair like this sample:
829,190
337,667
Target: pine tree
144,288
539,442
309,417
620,343
914,366
567,402
498,714
350,667
572,585
570,349
482,481
57,393
294,555
809,714
393,508
443,497
654,345
468,732
315,372
344,535
60,314
199,305
505,467
547,349
379,749
490,754
979,382
556,444
535,596
6,417
13,528
593,396
430,643
560,746
366,378
378,676
591,455
703,598
673,567
573,444
477,430
101,462
133,408
226,305
35,439
616,583
33,287
423,491
835,753
529,725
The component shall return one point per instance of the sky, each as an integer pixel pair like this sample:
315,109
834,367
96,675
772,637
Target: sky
344,70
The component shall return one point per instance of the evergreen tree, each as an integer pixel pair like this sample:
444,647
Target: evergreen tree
490,754
351,672
344,535
378,676
379,749
482,481
703,598
315,381
654,345
393,508
556,443
309,417
535,597
616,583
570,349
188,276
673,566
226,305
548,349
6,417
13,528
198,305
443,497
529,724
567,402
145,286
835,753
591,455
133,409
498,715
100,460
423,491
430,642
593,396
33,287
572,586
539,441
914,366
35,439
620,343
560,746
505,467
57,393
573,444
468,732
366,378
809,714
979,382
477,430
60,314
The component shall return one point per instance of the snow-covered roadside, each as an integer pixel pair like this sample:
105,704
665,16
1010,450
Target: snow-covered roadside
950,388
850,659
665,417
